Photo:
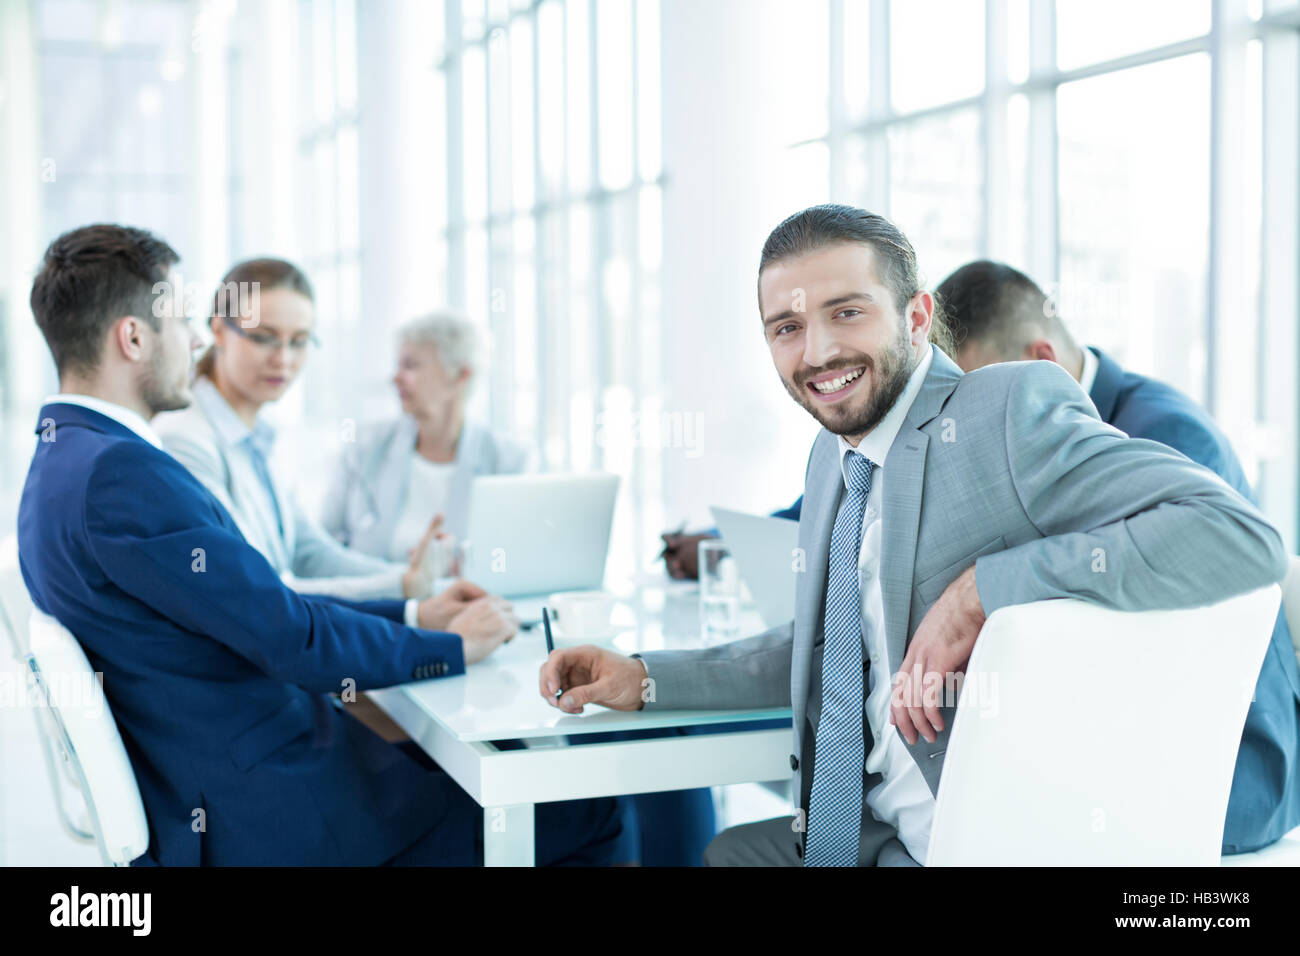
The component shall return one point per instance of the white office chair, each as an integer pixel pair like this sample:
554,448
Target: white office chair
90,739
15,610
1086,736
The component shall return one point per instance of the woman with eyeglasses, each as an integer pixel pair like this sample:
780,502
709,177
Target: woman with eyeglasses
262,320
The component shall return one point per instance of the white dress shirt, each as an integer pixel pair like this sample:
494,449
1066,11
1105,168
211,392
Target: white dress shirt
427,492
902,799
119,413
1089,373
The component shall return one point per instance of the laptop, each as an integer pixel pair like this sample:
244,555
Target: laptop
529,536
763,548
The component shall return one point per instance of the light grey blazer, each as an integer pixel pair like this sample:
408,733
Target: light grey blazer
368,489
311,560
1010,469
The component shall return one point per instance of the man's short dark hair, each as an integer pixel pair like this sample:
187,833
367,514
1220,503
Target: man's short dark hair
998,307
831,224
91,277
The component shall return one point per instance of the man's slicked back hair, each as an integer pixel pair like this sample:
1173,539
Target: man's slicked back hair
829,224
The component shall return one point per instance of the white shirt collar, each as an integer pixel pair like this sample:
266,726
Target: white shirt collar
224,419
880,439
119,413
1089,374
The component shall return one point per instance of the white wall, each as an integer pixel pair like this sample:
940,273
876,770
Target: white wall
735,73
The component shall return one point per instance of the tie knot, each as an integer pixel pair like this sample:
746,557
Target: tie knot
857,471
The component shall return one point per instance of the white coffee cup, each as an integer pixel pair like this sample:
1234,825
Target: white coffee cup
582,615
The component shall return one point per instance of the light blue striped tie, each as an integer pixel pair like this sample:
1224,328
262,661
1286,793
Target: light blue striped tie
835,809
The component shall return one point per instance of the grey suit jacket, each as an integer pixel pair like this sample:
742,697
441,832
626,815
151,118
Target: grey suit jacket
1010,469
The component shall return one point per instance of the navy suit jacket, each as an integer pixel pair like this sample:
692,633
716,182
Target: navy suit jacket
218,675
1265,800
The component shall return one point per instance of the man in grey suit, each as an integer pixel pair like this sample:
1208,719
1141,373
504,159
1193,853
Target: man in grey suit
932,498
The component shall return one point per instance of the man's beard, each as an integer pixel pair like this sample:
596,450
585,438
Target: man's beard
160,396
890,370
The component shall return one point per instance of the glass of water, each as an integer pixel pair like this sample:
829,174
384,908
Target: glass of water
719,593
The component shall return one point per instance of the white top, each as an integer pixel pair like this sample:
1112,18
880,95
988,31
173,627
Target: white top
119,413
427,492
902,799
1089,373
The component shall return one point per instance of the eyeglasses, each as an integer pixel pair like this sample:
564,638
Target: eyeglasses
269,343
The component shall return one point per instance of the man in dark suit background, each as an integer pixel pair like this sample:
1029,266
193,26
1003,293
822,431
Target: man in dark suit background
219,676
998,314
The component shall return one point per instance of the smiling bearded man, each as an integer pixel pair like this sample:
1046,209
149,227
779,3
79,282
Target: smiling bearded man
931,499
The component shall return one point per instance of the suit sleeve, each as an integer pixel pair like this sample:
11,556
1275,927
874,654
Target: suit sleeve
754,672
201,460
1189,435
156,539
393,610
1128,523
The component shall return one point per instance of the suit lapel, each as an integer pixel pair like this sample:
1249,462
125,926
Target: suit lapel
901,518
901,514
905,471
822,493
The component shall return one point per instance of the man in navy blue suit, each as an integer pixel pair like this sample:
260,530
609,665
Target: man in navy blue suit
998,314
219,676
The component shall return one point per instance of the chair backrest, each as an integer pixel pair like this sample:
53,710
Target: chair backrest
1291,602
1086,736
76,701
15,605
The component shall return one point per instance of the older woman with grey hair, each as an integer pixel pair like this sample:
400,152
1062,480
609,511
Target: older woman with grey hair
398,474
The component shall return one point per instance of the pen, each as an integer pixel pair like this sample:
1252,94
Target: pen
550,644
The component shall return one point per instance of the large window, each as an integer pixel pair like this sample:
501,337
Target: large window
112,96
1134,215
1128,154
328,241
552,229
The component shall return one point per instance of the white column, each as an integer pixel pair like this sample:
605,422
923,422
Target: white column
26,369
1230,331
730,68
997,185
1043,255
1280,286
402,147
266,142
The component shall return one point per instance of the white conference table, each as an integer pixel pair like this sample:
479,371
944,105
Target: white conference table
456,719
